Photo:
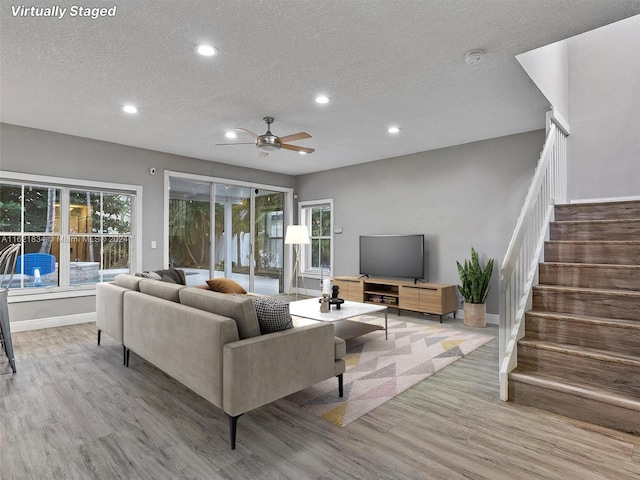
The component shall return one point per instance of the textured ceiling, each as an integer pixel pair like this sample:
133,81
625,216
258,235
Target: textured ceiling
382,63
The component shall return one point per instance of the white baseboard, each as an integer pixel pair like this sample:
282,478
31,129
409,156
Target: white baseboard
38,323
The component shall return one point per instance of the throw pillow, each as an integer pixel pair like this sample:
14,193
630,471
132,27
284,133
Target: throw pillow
151,275
225,285
172,275
273,314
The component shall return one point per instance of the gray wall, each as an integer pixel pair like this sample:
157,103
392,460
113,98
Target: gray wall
41,152
458,197
604,111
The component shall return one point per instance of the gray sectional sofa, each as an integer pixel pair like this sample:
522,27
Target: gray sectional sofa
211,343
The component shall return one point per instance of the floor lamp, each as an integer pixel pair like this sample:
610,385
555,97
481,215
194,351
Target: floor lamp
297,235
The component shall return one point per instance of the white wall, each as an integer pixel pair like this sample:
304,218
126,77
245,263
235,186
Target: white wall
604,108
548,67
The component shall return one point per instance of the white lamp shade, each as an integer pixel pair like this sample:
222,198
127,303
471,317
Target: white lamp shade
297,235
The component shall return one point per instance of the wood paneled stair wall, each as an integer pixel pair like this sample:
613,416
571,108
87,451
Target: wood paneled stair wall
580,356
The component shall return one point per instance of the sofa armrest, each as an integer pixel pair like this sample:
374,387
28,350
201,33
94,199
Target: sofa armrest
262,369
109,301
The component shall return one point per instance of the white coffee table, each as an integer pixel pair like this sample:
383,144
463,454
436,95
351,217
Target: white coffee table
345,329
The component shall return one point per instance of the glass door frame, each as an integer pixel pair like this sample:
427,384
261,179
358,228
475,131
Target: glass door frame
288,216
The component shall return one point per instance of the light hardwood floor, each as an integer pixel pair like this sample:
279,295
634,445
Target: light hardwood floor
74,411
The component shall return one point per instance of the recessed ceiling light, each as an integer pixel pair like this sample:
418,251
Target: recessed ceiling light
393,130
129,109
302,153
322,99
231,134
206,50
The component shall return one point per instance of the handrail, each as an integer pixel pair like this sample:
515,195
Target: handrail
519,267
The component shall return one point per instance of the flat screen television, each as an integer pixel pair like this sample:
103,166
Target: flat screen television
392,256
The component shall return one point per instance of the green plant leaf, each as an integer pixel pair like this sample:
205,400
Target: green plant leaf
474,280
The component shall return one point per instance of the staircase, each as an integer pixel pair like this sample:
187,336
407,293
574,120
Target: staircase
580,356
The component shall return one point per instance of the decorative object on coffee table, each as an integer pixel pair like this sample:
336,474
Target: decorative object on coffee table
474,288
324,303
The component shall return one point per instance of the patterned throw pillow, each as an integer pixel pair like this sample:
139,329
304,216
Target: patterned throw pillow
151,275
273,315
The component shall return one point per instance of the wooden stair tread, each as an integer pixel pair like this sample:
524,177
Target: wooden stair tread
604,291
581,350
597,221
603,395
596,242
610,322
616,266
577,350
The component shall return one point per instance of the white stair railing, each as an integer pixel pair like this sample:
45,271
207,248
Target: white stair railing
520,264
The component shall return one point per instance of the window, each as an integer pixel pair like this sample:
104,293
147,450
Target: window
317,258
99,235
69,234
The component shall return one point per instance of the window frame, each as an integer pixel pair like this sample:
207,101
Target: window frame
65,185
304,218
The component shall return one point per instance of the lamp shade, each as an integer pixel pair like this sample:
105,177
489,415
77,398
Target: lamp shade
297,235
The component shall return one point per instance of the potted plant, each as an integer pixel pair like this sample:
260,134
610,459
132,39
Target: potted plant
474,288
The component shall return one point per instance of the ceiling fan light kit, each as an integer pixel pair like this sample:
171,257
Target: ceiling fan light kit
269,142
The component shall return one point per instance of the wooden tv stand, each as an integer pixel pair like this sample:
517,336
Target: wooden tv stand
434,298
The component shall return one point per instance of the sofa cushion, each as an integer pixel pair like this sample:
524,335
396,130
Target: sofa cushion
225,285
239,309
164,290
125,280
273,314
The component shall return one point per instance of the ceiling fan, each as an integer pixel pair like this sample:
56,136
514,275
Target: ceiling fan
268,142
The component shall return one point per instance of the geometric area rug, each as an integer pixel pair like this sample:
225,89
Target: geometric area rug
379,369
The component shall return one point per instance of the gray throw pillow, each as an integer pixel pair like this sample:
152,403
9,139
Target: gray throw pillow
151,275
273,314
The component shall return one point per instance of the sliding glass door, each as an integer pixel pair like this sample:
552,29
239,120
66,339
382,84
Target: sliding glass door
269,242
189,229
233,233
241,237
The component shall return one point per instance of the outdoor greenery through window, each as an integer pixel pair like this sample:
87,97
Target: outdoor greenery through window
318,218
68,236
225,230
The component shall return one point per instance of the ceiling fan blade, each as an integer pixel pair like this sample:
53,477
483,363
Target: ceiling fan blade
247,131
246,143
296,148
294,137
263,154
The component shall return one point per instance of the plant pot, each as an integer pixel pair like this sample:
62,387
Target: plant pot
475,314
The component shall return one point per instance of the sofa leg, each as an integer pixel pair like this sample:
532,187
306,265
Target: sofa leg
99,332
340,386
126,356
233,426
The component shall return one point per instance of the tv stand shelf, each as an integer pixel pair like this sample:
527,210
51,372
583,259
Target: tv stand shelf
434,298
